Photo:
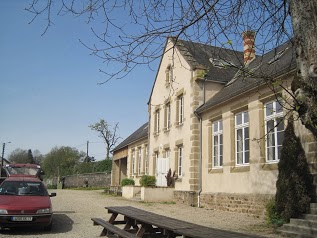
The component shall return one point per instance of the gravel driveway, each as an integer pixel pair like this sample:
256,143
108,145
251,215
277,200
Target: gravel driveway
73,210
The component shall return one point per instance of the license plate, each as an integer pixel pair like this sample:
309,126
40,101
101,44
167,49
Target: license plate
22,218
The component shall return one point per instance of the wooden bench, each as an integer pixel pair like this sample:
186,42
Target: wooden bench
110,229
141,223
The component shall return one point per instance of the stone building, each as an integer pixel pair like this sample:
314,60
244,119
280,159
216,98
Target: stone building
216,118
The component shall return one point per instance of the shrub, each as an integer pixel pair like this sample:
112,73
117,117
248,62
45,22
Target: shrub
51,186
171,178
127,181
294,183
147,181
271,215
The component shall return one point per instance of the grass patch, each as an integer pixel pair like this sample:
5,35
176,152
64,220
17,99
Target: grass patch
86,188
263,229
168,203
153,203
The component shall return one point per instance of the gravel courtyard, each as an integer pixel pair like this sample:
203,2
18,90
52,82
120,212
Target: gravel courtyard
73,210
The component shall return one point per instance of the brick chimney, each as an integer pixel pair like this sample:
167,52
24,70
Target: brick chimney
248,46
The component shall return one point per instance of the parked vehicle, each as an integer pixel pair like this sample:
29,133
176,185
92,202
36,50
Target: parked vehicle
32,170
25,201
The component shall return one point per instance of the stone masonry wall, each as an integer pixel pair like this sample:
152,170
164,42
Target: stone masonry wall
82,180
187,197
251,204
91,180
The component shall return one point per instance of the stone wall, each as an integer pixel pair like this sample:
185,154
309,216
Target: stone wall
90,180
251,204
81,180
186,197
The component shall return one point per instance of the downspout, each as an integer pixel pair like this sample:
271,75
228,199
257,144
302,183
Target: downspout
200,144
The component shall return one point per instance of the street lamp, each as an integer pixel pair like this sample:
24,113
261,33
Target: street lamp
2,157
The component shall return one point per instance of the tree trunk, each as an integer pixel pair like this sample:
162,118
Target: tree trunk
304,21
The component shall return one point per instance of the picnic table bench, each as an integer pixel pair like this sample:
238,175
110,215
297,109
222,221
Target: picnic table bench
140,223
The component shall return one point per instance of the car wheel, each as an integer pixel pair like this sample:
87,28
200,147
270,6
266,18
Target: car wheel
48,227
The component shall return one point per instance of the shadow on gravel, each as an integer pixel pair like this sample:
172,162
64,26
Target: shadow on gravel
61,224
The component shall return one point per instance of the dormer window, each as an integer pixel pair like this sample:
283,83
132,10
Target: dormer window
220,63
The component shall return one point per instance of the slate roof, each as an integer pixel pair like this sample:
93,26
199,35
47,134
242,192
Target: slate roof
198,55
139,134
269,65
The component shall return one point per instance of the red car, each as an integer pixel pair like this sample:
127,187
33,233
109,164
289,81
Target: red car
32,170
25,201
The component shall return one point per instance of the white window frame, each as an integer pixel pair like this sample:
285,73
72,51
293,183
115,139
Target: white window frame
146,159
156,159
168,116
169,74
157,121
133,161
167,153
180,161
181,109
244,148
276,113
217,133
139,160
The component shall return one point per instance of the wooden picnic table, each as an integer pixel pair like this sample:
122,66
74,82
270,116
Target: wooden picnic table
140,223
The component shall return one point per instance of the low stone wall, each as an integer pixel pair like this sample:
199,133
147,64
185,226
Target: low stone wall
130,191
87,180
114,190
81,180
186,197
157,194
251,204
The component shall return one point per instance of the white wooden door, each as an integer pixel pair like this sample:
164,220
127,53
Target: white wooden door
162,166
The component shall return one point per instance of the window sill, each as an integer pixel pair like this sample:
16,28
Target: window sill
155,134
216,171
270,166
179,124
240,169
167,130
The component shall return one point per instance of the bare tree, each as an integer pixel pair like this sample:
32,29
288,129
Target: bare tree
215,22
107,133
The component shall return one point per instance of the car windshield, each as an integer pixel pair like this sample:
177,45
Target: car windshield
22,170
22,188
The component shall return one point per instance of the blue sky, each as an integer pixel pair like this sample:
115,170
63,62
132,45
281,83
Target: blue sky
49,92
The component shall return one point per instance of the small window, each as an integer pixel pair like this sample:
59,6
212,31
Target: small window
146,159
133,161
139,160
169,75
217,144
180,109
167,153
167,116
157,121
180,161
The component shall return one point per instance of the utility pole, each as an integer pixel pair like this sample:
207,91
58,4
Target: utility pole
2,157
87,151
